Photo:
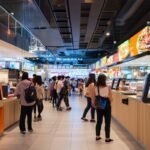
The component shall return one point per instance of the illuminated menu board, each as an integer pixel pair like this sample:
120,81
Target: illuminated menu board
104,61
115,58
97,65
137,44
123,50
110,60
140,42
14,65
28,66
2,65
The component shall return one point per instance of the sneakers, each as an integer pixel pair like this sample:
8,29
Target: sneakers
109,140
59,109
31,130
23,132
92,120
84,119
68,108
98,138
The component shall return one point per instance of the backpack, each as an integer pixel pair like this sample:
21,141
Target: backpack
30,94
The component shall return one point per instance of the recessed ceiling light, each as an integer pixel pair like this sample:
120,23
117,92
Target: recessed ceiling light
12,13
148,22
115,42
107,33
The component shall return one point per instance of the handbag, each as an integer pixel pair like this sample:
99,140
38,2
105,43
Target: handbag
101,101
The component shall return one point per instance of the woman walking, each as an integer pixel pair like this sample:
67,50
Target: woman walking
40,97
103,92
90,90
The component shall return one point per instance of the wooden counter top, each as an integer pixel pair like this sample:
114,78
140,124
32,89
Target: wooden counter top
1,104
132,114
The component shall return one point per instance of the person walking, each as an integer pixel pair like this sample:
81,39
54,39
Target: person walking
26,108
104,92
90,90
40,97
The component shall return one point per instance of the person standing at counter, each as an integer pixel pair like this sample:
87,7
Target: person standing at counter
26,108
104,92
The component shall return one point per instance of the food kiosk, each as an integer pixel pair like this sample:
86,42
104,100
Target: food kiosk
131,105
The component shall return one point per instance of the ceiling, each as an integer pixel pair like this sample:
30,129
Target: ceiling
74,31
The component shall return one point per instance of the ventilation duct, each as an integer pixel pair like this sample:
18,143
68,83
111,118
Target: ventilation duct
128,10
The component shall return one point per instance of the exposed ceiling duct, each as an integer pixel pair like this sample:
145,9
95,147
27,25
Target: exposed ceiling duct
127,11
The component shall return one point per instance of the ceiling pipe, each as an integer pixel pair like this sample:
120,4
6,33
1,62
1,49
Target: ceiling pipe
126,14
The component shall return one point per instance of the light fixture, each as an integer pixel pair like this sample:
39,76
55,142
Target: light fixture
107,33
148,22
8,28
12,13
115,42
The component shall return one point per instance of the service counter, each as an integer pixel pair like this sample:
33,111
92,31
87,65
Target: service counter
11,112
1,118
132,114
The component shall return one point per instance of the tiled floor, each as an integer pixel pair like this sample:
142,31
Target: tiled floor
63,131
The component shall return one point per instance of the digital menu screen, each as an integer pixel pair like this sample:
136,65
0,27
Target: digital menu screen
104,61
2,65
110,60
14,65
123,50
115,58
97,66
140,42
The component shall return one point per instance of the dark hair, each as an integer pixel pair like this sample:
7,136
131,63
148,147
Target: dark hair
54,78
62,77
39,80
91,79
59,77
24,76
101,81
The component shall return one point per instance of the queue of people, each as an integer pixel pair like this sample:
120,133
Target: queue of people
97,93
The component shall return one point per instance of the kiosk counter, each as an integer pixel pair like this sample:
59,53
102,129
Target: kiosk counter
133,115
10,111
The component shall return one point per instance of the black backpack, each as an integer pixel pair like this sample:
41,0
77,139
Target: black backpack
30,94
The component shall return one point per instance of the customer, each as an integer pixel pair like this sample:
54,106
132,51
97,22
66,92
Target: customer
54,93
90,86
59,87
26,108
40,97
105,92
34,80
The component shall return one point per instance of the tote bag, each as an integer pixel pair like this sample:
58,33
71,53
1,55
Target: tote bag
101,101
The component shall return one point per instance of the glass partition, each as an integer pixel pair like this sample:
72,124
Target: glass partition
13,32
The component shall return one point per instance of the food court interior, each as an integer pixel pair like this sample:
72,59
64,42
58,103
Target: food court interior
76,39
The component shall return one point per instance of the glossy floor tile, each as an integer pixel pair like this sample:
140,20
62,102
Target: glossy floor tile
64,131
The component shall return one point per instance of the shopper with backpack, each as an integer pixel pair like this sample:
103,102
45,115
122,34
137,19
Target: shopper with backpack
23,91
40,96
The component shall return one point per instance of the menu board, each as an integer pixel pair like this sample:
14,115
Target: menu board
98,63
104,61
2,65
14,65
140,42
110,60
123,50
115,58
28,66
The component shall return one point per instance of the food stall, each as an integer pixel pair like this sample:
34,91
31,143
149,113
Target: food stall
9,105
131,100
